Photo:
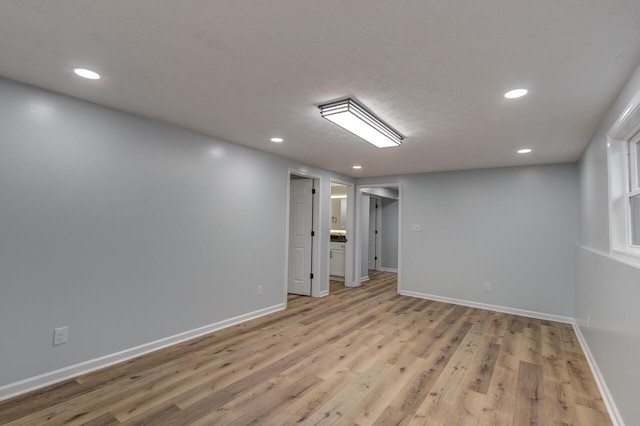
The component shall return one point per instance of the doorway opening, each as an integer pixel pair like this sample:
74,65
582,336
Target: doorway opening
338,232
302,234
378,237
341,254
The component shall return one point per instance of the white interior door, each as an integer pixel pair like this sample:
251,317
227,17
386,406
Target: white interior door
373,233
300,240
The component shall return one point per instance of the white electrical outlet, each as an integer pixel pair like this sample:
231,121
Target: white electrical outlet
487,287
260,288
60,335
416,227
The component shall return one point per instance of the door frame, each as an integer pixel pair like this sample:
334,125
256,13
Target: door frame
348,251
316,258
377,263
358,237
301,236
380,236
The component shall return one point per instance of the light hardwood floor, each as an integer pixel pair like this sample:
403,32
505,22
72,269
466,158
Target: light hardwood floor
357,357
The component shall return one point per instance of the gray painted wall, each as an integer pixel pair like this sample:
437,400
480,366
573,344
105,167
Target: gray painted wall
382,192
127,230
513,227
608,290
389,233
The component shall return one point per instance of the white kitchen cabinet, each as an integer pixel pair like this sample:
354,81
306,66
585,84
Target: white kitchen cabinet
336,259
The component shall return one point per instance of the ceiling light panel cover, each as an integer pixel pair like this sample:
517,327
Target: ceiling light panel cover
356,119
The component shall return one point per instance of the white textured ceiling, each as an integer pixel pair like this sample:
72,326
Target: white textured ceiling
244,71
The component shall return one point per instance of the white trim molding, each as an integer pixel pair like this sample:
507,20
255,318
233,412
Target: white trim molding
32,383
488,307
607,398
318,217
365,278
349,267
389,269
614,255
358,237
621,172
628,123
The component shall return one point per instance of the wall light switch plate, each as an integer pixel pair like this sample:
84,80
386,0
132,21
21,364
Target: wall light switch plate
416,227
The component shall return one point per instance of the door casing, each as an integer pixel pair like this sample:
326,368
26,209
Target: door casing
358,235
375,206
301,237
350,276
316,255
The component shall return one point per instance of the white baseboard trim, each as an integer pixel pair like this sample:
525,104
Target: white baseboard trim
323,293
32,383
496,308
612,408
365,278
388,270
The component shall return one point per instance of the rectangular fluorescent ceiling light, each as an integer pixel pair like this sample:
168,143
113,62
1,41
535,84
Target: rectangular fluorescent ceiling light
356,119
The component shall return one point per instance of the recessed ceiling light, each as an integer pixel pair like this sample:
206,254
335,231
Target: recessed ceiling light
277,140
357,167
515,93
85,73
524,150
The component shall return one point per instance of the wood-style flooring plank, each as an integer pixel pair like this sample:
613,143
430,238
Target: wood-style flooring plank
529,394
360,356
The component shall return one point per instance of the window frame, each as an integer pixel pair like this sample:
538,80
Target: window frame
634,165
633,187
624,181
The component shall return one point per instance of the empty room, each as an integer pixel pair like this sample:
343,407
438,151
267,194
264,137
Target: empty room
319,212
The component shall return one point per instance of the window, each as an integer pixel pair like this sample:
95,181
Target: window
633,196
623,153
